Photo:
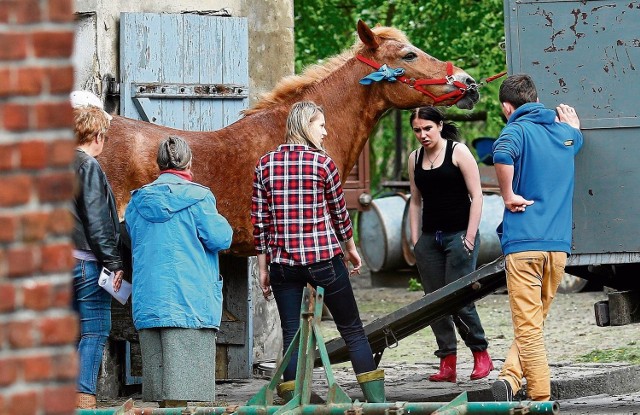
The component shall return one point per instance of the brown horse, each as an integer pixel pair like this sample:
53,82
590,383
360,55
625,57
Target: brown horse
224,160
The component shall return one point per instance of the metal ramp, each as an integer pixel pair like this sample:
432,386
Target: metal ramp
388,330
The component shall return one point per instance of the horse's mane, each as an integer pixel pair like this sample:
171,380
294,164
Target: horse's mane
312,75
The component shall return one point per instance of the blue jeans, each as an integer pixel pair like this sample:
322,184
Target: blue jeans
441,259
288,282
93,303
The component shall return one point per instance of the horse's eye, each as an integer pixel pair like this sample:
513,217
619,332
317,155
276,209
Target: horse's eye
410,56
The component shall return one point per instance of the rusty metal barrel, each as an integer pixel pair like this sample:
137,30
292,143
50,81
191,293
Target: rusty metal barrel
385,233
380,232
492,209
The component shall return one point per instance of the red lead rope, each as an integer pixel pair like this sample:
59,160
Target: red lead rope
417,84
496,76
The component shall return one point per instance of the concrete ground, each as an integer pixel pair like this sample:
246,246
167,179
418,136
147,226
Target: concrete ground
579,388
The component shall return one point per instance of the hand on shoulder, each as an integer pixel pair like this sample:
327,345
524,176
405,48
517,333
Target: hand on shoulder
567,114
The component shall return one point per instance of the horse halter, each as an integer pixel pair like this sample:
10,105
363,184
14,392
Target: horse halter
418,84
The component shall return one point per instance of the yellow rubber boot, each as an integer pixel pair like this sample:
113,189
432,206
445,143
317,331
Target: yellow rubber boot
285,390
372,384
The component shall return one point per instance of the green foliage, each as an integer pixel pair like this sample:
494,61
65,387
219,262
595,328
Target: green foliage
414,285
467,32
624,354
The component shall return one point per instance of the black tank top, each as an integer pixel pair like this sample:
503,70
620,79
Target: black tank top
445,198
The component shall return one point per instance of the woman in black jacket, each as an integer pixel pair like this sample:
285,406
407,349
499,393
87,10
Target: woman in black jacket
95,236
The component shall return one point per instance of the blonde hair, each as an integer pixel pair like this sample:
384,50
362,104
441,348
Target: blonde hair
88,122
298,121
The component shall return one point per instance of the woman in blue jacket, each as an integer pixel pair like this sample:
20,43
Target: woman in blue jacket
176,233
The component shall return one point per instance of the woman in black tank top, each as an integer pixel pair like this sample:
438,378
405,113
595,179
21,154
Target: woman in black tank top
444,215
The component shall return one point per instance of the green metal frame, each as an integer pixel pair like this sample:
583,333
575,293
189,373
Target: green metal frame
459,406
307,339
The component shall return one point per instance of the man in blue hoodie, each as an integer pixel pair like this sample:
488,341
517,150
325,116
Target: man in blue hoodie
534,162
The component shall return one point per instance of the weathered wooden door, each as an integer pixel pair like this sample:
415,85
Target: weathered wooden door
357,184
190,72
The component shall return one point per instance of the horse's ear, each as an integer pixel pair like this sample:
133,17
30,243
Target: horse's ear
367,36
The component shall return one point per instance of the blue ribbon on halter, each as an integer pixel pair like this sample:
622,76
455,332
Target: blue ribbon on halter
384,73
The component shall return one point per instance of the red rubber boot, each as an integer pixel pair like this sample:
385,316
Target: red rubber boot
447,371
482,365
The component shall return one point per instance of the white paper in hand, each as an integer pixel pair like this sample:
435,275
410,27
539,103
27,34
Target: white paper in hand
106,281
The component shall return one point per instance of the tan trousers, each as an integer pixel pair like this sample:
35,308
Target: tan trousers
533,278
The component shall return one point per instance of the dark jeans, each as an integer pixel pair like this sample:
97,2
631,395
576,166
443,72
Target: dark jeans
441,259
288,282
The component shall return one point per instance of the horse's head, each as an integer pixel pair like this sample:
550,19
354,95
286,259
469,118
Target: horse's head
420,79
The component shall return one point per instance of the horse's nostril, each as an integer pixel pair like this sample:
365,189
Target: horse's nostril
470,81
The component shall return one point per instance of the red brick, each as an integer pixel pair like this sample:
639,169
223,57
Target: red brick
58,330
22,261
53,115
7,298
6,83
52,44
60,79
37,368
8,229
60,222
8,156
20,334
27,11
23,403
62,152
61,11
34,226
55,187
57,258
15,117
59,400
65,366
5,9
3,335
33,154
62,295
14,46
29,81
4,267
8,370
37,295
15,190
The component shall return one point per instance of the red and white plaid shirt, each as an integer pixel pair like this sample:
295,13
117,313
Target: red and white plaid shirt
298,206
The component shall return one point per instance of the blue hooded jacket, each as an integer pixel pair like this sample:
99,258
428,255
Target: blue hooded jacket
176,233
542,152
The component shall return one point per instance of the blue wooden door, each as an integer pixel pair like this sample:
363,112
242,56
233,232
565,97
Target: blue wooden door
190,72
182,70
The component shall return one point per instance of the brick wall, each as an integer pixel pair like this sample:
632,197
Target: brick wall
37,327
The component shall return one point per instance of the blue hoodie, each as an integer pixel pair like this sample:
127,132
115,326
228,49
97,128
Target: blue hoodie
542,152
176,233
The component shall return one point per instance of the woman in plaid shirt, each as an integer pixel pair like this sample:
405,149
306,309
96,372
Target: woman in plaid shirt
299,218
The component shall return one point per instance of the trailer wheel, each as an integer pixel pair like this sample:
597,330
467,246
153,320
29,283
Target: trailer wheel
572,284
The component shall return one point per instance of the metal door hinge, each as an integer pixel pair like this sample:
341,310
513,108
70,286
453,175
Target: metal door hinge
189,91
